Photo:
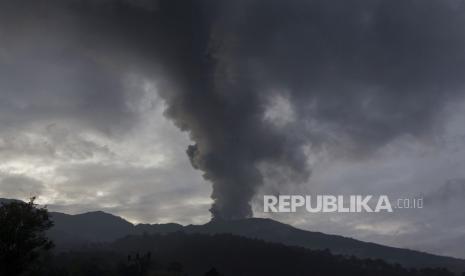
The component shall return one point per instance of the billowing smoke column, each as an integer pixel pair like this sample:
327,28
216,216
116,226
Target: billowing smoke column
355,76
257,83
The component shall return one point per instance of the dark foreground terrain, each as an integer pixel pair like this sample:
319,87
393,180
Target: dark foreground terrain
98,243
73,231
222,254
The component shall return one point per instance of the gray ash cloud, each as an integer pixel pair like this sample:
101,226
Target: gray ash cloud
354,75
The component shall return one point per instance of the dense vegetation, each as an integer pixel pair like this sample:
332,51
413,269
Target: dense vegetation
197,254
22,236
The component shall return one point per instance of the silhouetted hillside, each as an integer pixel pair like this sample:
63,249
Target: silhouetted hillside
102,227
273,231
7,200
194,254
73,231
158,228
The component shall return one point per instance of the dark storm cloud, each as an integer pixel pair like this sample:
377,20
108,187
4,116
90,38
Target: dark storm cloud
371,70
67,61
355,75
453,189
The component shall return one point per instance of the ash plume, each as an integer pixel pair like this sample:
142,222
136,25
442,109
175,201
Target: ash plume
256,83
354,75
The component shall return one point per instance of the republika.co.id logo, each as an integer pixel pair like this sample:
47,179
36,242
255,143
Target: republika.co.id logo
338,204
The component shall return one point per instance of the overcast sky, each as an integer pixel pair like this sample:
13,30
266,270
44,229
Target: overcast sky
177,111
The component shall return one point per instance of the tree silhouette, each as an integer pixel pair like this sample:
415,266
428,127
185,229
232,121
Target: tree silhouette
22,236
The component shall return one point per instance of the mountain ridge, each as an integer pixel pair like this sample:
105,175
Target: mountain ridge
276,232
99,227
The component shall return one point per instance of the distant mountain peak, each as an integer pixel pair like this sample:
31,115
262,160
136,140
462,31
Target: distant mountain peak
99,226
